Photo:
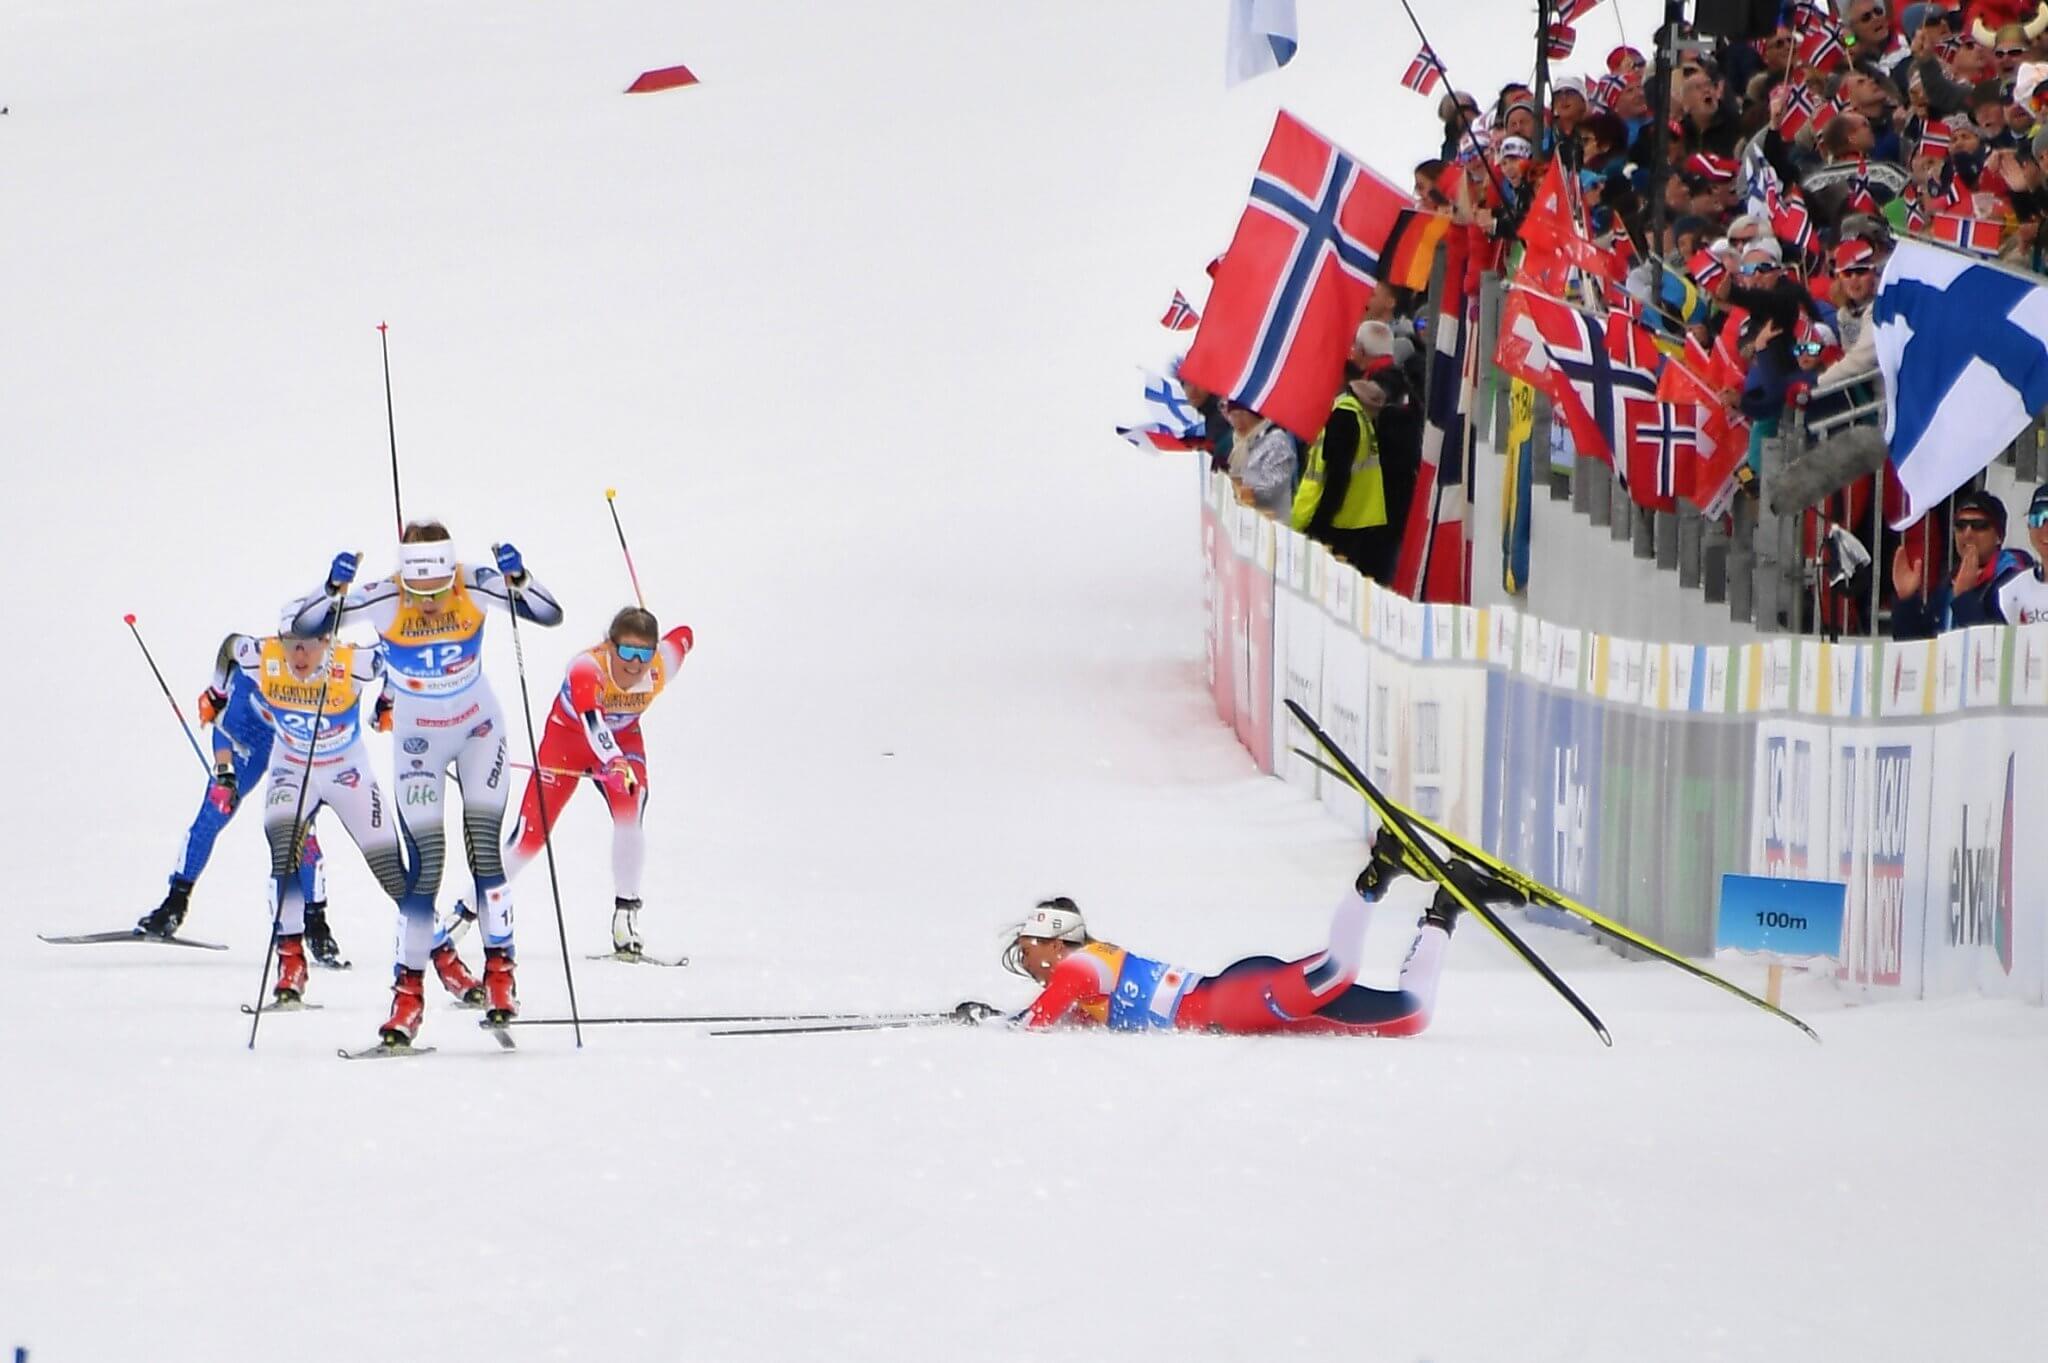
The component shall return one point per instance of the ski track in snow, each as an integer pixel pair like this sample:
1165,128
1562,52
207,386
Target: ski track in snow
847,326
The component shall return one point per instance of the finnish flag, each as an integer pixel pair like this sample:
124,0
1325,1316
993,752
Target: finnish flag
1168,420
1963,347
1263,38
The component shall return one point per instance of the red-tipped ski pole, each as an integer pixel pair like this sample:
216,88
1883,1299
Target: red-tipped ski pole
190,737
611,495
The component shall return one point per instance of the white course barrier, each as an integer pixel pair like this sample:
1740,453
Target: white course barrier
1632,775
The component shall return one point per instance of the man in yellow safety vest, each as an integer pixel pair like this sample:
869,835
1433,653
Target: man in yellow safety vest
1342,498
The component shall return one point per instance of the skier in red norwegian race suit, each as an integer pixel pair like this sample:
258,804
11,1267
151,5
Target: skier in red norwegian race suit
1094,983
593,730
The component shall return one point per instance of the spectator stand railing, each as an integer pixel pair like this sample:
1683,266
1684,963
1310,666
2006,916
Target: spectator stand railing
1771,567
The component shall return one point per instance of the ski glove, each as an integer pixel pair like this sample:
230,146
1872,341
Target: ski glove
212,704
342,572
618,777
224,794
510,563
973,1012
380,718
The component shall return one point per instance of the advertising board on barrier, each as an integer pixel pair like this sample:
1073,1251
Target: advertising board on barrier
1878,797
1979,935
1633,776
1542,783
1219,592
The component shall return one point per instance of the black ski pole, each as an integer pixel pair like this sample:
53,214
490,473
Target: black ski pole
190,737
547,830
815,1028
391,426
1536,892
1394,818
722,1019
298,833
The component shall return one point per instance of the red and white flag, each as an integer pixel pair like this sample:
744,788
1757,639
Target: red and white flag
1295,280
1423,73
1978,235
1180,314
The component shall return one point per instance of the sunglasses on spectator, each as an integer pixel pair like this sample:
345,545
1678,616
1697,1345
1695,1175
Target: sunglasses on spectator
635,653
1811,347
1848,270
1760,267
2012,52
1975,523
2038,517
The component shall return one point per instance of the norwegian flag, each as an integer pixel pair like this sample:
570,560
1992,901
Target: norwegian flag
1791,222
1858,198
1180,314
1935,140
1802,107
1966,233
1948,195
1571,11
1605,92
1424,72
1916,212
1295,281
1560,41
1569,355
1821,47
1663,439
1705,268
1803,17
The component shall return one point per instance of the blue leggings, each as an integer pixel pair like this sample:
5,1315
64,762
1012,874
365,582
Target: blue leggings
208,822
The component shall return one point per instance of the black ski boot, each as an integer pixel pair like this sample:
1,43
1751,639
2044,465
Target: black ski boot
163,920
1479,885
1390,858
1442,912
320,944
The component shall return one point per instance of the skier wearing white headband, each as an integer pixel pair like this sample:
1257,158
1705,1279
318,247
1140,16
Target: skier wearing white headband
430,615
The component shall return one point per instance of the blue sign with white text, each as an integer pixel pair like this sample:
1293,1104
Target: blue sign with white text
1781,917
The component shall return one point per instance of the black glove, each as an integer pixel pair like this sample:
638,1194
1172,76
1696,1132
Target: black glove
973,1012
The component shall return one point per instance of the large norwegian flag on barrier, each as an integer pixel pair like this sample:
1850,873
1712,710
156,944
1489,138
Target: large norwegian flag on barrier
1435,564
1293,286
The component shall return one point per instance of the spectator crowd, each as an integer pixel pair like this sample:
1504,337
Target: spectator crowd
1789,165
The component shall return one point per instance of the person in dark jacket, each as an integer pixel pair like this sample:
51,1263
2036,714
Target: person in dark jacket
1971,597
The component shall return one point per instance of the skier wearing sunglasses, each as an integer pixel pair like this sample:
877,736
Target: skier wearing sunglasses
430,617
594,730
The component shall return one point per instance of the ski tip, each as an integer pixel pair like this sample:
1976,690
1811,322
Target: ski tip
1606,1039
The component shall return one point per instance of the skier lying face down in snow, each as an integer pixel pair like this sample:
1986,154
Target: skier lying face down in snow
1090,982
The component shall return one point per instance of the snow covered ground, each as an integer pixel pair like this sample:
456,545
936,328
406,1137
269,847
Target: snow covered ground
847,326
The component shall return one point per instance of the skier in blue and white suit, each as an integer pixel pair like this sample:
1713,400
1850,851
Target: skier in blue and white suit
242,735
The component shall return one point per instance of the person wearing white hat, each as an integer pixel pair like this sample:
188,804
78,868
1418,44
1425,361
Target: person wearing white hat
1090,982
430,617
